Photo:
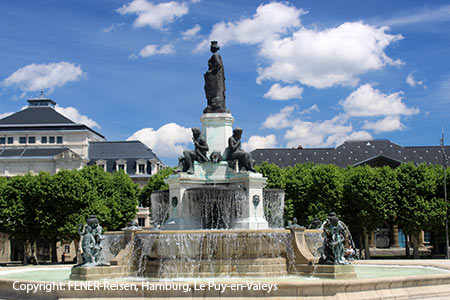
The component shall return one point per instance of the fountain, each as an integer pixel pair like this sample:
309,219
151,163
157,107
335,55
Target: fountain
218,222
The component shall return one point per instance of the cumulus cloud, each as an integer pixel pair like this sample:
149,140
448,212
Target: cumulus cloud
367,101
413,82
150,50
167,141
277,92
73,114
191,33
389,123
269,20
335,56
280,120
35,77
154,15
260,142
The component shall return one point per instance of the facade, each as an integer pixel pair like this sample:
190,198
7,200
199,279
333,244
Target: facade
38,138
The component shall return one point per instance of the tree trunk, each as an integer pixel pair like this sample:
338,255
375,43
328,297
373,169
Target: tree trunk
366,244
407,246
34,253
25,253
54,252
415,241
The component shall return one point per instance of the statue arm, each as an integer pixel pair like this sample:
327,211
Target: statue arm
201,145
233,144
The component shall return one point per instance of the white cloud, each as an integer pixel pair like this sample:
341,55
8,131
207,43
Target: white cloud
389,123
310,109
423,15
4,115
281,119
150,50
319,133
112,27
35,77
269,20
191,33
73,114
260,142
155,16
367,101
167,141
277,92
359,136
413,82
335,56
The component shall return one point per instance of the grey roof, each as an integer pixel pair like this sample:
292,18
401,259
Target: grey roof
36,115
352,153
32,152
120,149
40,118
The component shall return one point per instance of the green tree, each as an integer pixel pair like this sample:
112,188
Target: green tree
418,205
274,174
368,199
155,183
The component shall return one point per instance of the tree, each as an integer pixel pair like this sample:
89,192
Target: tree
418,205
155,183
274,174
368,196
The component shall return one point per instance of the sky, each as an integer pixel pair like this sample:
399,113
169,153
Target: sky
313,73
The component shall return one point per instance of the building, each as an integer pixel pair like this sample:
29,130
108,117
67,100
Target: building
39,138
353,153
376,153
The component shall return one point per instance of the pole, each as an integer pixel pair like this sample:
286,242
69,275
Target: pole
444,163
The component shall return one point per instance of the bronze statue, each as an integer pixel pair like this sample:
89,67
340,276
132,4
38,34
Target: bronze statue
90,241
186,162
236,154
215,83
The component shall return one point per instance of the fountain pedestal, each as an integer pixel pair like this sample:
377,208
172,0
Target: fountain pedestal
197,200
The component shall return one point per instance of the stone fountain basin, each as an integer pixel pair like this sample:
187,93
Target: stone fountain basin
400,287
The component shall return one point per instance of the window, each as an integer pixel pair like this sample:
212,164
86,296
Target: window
2,140
121,164
141,168
31,140
43,140
141,222
67,248
10,140
59,139
51,139
22,140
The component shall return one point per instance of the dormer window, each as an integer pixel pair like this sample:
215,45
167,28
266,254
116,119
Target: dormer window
101,163
121,164
141,166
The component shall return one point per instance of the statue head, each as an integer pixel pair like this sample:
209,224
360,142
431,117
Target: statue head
237,133
214,47
196,132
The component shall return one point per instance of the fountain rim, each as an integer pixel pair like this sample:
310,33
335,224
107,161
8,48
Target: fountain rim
210,231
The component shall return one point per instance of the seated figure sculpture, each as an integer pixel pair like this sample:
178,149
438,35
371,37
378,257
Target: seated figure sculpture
186,162
236,154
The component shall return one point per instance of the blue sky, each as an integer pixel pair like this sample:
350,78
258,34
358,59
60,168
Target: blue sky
311,73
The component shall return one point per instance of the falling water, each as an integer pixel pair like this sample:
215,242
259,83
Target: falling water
273,200
160,207
216,207
111,245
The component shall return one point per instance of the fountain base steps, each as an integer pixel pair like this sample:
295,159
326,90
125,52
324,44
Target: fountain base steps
258,267
327,271
99,272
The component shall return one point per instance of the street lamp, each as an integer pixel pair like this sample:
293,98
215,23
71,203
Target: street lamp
444,164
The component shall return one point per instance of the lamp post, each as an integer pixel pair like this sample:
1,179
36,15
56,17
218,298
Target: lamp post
444,164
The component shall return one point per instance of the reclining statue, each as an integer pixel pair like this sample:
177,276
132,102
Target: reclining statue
236,154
